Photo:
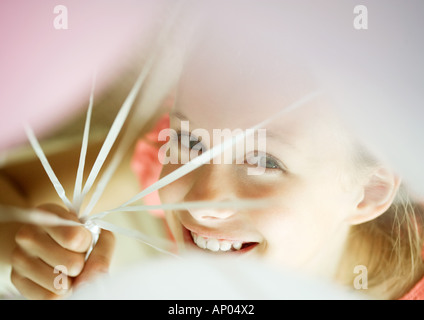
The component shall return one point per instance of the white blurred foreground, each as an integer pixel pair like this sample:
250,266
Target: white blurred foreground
207,278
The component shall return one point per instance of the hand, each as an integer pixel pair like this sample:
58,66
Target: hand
39,249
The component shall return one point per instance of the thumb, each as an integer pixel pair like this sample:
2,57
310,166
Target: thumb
99,260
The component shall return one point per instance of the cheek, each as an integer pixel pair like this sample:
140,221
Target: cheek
292,236
306,218
175,191
287,235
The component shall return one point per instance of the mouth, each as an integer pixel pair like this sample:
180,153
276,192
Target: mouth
213,244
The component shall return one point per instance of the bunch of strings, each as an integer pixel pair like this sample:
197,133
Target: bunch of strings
162,67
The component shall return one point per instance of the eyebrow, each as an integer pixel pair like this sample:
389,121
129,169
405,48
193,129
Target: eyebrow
178,115
272,134
269,134
280,139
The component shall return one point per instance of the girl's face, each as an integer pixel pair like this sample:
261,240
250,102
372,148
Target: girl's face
306,169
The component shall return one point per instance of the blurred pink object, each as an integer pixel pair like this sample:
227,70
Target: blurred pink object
146,165
45,72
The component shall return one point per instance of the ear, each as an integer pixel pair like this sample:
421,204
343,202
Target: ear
377,195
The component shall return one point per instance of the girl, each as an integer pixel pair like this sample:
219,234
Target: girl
338,206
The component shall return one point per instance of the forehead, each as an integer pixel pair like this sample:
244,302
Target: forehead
225,77
216,96
311,128
229,83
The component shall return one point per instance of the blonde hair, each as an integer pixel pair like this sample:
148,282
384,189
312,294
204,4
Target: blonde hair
390,246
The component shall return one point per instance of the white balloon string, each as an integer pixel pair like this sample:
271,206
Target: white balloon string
238,204
33,216
46,165
103,182
156,243
115,129
95,233
77,200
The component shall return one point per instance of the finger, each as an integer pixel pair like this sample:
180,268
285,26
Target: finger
77,239
40,273
35,242
99,260
30,289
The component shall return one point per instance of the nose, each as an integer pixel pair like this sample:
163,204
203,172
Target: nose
212,182
210,214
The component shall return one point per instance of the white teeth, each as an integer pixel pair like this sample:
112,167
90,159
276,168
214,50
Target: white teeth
215,245
194,236
225,245
201,242
237,245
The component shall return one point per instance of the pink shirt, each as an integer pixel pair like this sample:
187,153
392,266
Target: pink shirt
147,167
145,162
417,292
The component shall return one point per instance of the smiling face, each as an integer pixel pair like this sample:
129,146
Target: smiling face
306,168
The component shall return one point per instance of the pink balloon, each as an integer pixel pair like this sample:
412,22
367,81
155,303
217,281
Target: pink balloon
46,71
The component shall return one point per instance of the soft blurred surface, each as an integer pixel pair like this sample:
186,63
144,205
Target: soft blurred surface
211,278
46,73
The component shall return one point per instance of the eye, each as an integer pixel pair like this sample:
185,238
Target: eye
264,160
190,142
268,163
